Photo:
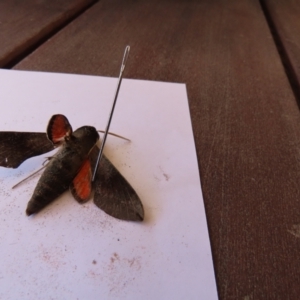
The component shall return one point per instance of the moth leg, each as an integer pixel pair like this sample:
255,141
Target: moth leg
31,175
116,135
34,173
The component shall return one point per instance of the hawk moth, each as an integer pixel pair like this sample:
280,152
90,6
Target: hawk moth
71,167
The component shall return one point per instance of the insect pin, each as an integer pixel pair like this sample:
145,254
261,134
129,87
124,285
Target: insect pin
78,165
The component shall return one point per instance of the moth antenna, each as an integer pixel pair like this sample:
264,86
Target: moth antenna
31,175
116,135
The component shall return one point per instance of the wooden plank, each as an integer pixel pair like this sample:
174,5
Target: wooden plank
245,119
25,23
284,19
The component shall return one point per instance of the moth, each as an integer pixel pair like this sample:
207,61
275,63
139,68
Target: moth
71,167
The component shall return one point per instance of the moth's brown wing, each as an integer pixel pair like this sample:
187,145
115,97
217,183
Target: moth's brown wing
113,194
16,147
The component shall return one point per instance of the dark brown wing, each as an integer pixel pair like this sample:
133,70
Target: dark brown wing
16,147
113,194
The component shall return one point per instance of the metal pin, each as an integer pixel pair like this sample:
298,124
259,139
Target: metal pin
126,53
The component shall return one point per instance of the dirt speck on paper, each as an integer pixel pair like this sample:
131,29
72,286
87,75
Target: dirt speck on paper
121,273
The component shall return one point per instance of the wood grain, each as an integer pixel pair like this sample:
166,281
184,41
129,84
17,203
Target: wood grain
244,115
284,18
24,23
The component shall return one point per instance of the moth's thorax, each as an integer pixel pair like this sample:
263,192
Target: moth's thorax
86,136
76,148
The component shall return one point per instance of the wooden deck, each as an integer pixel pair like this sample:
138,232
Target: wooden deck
240,60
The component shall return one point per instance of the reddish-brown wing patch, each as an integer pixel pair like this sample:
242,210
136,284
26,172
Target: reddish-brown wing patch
81,186
58,128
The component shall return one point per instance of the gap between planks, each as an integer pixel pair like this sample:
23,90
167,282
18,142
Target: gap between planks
286,62
31,48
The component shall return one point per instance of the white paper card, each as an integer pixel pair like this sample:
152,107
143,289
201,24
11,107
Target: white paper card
72,251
